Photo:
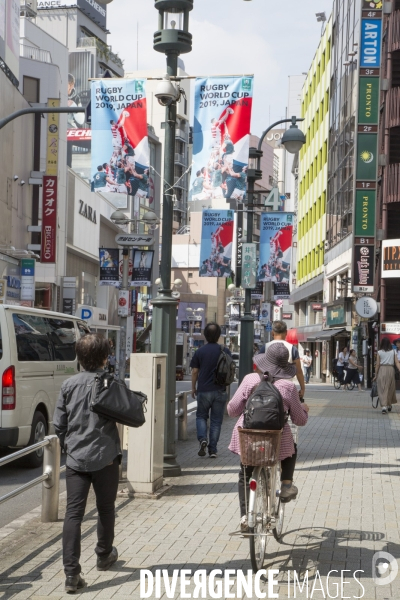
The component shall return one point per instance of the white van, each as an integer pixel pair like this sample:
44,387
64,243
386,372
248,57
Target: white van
37,353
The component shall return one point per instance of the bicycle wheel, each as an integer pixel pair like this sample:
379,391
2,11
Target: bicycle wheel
350,386
279,509
258,539
336,383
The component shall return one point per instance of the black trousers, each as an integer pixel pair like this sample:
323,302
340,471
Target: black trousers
105,485
287,469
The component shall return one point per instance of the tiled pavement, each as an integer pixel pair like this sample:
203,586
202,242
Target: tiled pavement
348,474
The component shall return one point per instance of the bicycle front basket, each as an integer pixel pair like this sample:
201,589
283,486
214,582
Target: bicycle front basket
259,448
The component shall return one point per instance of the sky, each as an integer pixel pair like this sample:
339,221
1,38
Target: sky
272,39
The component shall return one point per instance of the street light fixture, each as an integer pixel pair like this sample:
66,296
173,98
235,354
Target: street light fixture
172,38
292,140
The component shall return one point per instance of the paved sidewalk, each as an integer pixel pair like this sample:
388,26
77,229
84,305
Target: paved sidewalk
348,474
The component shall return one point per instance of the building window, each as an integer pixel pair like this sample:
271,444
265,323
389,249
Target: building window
190,274
31,87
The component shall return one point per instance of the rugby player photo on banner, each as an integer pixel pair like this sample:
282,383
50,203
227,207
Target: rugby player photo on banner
221,135
120,148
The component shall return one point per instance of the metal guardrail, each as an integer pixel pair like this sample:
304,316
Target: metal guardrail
183,412
50,477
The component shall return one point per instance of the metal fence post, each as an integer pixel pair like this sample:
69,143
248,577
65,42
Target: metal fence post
51,486
182,419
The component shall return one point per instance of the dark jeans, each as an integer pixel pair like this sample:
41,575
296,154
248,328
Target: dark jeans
340,371
307,373
287,469
105,485
210,404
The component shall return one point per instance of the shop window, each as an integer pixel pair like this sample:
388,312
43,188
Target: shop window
44,296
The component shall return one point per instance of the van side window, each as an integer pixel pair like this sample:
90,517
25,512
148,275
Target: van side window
62,335
33,343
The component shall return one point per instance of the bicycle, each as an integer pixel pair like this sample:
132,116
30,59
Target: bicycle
265,510
337,382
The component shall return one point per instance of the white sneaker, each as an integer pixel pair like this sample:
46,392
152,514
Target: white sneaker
244,528
384,410
288,493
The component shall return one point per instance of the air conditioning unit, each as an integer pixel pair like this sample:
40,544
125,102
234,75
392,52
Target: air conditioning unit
198,291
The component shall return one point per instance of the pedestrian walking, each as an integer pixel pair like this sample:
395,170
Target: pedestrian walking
211,398
352,370
112,361
342,363
385,375
274,363
307,362
93,450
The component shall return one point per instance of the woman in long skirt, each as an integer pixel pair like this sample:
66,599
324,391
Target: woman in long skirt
385,375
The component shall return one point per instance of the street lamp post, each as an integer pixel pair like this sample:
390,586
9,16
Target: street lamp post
293,139
172,38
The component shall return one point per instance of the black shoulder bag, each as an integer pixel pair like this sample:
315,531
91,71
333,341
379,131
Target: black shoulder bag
112,400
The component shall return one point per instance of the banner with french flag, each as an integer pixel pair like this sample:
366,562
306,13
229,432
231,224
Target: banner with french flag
120,145
221,135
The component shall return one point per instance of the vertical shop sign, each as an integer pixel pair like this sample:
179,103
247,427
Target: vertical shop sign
49,220
52,138
367,147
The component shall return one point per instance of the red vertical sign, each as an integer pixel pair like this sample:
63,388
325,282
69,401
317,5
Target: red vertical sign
49,219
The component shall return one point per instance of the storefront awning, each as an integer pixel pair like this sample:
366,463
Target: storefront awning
325,334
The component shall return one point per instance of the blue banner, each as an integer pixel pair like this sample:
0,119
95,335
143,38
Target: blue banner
216,243
120,148
221,135
371,34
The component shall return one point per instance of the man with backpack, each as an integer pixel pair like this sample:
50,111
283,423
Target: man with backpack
212,370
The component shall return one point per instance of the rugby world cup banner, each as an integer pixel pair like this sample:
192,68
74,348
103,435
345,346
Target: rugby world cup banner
120,147
221,135
276,251
216,243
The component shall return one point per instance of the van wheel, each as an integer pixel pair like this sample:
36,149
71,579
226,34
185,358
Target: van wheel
39,432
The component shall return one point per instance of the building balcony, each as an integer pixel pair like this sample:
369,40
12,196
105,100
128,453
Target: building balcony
33,53
182,135
394,31
393,103
392,177
105,52
181,159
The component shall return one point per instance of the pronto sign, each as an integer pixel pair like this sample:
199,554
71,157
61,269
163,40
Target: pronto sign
134,239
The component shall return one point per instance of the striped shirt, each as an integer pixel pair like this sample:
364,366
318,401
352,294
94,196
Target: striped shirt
291,403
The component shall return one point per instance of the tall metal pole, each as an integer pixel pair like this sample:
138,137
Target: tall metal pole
123,320
122,337
164,306
247,320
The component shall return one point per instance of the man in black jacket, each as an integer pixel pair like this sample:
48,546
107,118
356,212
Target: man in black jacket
93,450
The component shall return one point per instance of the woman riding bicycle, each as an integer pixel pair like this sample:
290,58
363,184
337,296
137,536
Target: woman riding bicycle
275,364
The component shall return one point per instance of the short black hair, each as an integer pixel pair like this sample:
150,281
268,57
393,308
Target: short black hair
92,350
385,344
212,333
100,168
279,327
